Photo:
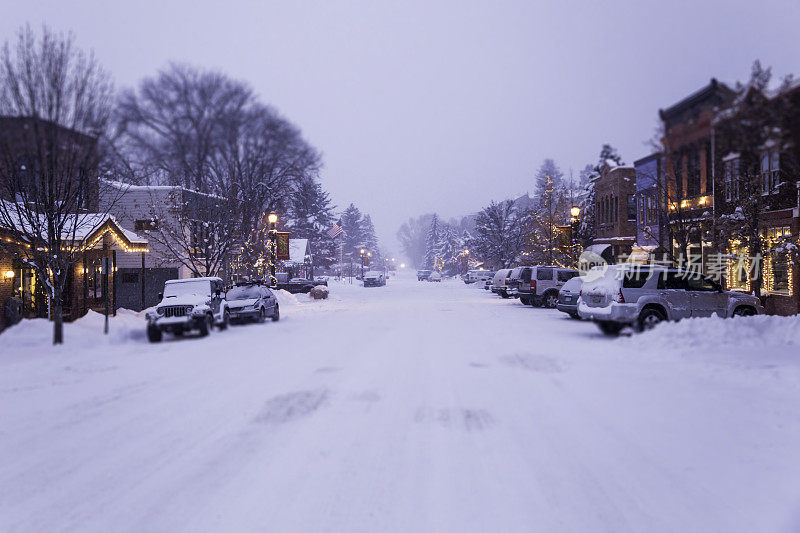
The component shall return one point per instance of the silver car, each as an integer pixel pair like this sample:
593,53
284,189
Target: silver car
642,296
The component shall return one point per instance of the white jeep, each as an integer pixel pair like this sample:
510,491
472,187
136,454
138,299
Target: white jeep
189,305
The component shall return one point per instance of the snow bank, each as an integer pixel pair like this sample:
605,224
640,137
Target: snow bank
764,341
740,332
82,334
286,299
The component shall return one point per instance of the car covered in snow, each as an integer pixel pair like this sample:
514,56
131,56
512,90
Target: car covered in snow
500,282
252,301
194,304
435,276
642,296
374,278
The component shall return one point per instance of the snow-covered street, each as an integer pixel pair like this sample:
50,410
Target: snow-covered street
410,407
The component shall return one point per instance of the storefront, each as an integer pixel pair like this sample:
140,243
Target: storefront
89,283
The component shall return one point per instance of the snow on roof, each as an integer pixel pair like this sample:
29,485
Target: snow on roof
78,227
129,187
298,250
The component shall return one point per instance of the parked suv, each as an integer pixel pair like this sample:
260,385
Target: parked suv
374,278
642,296
252,301
539,285
423,275
500,282
188,305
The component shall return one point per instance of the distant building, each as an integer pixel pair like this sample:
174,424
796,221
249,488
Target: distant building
615,210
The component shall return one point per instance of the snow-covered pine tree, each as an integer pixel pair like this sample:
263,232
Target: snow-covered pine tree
310,215
432,242
501,232
586,231
352,224
549,179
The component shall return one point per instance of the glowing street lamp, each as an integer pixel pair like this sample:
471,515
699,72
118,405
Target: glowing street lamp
273,248
575,211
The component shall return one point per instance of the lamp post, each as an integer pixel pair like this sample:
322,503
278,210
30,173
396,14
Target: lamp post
363,257
575,213
273,248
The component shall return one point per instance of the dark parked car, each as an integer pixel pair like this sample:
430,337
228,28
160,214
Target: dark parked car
299,285
568,297
423,275
252,301
539,285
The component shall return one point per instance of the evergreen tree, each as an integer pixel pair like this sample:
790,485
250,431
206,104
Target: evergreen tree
549,181
353,237
501,233
310,215
432,243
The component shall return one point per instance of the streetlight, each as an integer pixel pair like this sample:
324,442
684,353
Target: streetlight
575,213
273,248
364,255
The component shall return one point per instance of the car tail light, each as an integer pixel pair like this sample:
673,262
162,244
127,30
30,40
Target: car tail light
533,285
620,297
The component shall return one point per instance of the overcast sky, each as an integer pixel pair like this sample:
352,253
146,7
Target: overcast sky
422,106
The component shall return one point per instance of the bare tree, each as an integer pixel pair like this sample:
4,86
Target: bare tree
208,133
195,229
55,102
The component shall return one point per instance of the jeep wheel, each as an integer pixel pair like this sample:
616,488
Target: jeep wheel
154,334
744,311
550,299
650,318
226,320
276,315
525,300
610,328
206,325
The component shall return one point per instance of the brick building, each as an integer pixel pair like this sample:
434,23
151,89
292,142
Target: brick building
615,209
688,170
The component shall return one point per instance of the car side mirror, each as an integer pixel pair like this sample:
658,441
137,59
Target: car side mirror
160,295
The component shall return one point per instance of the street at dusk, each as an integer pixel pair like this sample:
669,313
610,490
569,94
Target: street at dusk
416,406
421,266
